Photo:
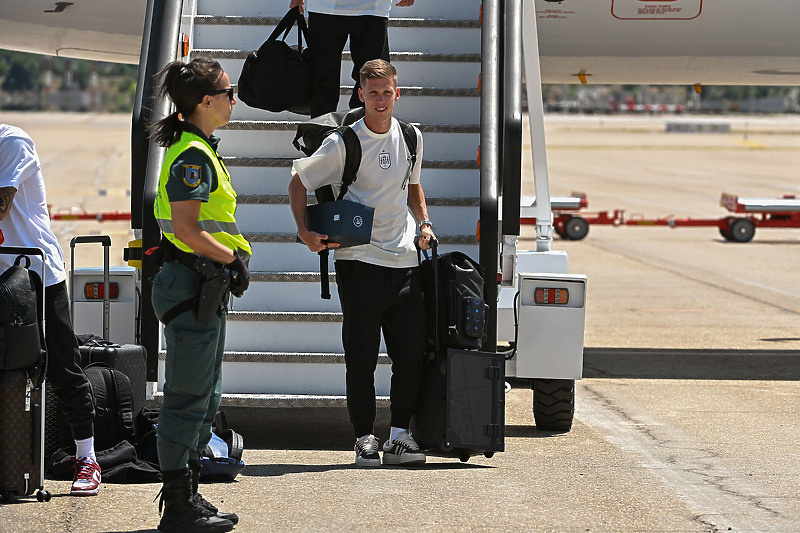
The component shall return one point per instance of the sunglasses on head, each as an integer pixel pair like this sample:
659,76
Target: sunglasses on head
229,90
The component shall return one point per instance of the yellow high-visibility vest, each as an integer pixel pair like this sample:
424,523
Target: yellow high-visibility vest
216,215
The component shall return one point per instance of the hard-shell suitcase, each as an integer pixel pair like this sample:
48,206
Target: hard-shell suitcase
130,359
461,408
22,419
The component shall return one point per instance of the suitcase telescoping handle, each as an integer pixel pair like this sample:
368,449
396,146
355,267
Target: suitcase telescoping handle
105,240
435,262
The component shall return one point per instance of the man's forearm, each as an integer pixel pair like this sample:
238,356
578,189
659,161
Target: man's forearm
416,203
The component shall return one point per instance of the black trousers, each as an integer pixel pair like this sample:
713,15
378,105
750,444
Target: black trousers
327,35
375,299
63,363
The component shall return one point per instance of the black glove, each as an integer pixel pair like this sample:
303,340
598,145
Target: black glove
240,275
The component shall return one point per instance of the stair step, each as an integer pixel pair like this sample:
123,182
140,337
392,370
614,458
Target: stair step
238,20
281,401
458,182
443,10
444,39
283,199
283,252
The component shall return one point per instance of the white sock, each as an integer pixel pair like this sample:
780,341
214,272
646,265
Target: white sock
85,448
396,432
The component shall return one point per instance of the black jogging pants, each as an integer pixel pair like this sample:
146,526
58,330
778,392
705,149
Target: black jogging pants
374,299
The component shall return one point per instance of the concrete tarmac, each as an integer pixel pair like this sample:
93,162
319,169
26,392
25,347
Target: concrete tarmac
685,420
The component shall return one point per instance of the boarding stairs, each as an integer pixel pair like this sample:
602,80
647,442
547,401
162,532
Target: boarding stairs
283,346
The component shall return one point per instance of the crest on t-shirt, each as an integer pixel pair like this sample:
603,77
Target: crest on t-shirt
191,175
384,160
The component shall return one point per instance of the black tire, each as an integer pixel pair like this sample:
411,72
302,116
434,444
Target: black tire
576,228
742,230
553,404
726,233
560,230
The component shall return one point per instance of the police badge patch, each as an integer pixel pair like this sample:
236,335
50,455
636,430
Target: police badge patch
191,175
384,160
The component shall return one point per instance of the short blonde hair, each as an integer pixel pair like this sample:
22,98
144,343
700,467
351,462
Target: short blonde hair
377,69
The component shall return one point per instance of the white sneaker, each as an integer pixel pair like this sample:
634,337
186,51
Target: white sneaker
402,451
367,451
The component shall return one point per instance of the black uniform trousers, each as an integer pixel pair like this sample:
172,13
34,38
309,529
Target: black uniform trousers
327,35
69,382
374,299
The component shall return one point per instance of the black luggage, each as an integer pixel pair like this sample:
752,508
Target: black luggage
461,409
130,359
22,405
277,76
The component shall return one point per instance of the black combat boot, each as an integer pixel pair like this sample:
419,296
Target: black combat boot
181,513
194,468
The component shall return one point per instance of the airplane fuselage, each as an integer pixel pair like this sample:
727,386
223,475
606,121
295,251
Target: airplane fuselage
712,42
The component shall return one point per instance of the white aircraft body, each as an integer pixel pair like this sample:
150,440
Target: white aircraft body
711,42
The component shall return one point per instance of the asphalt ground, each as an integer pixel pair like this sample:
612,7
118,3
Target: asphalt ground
686,419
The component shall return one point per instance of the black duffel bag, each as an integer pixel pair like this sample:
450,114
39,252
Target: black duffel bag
277,77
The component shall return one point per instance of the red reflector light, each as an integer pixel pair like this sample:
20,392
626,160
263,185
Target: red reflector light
95,291
551,296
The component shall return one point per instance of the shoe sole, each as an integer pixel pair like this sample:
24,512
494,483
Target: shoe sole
405,459
84,492
367,462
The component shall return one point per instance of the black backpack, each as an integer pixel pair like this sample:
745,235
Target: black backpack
113,406
455,307
21,345
314,132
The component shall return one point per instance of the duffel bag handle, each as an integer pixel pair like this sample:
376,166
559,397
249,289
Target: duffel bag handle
285,25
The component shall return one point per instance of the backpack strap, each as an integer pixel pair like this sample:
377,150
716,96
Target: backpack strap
352,158
352,161
410,135
122,386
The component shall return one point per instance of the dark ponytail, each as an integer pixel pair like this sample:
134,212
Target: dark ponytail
186,84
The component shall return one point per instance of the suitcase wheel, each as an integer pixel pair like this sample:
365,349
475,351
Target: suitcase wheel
43,496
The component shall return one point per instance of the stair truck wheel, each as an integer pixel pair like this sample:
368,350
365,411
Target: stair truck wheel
553,403
576,228
725,228
742,230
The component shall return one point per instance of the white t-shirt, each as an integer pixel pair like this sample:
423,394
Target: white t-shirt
27,222
378,8
381,182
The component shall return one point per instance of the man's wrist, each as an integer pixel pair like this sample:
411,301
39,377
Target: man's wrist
425,223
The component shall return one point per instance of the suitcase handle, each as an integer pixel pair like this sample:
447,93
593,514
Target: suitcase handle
435,261
105,240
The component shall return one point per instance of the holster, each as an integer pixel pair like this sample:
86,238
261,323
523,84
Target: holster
212,292
213,281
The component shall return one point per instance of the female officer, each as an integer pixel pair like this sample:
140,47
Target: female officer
195,208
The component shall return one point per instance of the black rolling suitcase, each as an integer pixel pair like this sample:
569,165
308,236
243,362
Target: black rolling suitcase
461,410
22,375
130,359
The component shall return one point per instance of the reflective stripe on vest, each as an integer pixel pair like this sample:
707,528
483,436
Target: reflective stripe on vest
217,215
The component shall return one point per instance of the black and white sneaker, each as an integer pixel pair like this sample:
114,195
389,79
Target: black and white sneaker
367,451
402,451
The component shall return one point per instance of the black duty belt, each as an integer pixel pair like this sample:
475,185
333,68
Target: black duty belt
173,253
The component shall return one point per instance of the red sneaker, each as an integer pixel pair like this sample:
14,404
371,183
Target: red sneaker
87,477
